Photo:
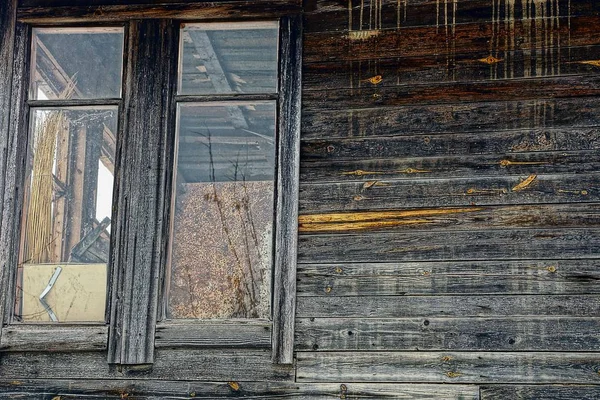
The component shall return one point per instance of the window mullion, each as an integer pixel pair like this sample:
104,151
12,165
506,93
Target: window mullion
143,162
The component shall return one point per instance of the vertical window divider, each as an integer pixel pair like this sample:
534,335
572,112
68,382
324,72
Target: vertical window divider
139,240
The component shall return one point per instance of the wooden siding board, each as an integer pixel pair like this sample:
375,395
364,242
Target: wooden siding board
449,367
456,334
377,44
463,192
53,338
466,117
456,306
144,389
539,392
428,278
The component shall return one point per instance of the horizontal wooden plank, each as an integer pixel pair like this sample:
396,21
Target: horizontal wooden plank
414,119
170,364
461,334
444,93
215,334
448,306
382,194
438,167
540,392
456,144
560,216
468,67
331,15
425,278
508,244
375,43
145,389
450,367
53,338
118,11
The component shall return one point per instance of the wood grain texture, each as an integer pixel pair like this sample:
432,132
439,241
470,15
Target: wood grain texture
118,11
14,142
54,338
454,92
450,39
288,167
463,192
8,153
541,392
460,334
143,163
331,15
204,334
463,117
448,306
450,367
146,389
427,278
170,364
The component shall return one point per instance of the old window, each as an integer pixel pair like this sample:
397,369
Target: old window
65,229
195,125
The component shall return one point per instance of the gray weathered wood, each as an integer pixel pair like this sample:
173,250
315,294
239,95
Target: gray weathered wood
138,240
54,338
8,153
449,367
477,277
448,306
217,334
13,167
539,392
146,389
382,193
288,167
170,364
464,334
514,244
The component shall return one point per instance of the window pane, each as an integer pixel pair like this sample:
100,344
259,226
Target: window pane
66,218
76,63
221,58
223,211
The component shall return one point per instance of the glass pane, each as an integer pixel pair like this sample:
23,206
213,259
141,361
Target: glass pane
221,58
223,211
76,63
67,215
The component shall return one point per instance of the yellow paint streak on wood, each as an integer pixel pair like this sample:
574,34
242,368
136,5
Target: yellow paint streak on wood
490,60
525,184
360,172
551,269
375,80
474,191
363,35
506,163
446,358
234,386
357,226
380,215
452,374
595,63
581,192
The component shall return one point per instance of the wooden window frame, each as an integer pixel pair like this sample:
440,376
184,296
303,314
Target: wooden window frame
143,179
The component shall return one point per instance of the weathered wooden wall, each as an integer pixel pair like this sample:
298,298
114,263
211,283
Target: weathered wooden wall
449,206
449,218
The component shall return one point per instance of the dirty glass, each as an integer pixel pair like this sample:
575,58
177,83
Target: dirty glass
87,62
222,58
223,210
66,219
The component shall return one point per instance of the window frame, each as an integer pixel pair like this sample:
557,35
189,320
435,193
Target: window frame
137,285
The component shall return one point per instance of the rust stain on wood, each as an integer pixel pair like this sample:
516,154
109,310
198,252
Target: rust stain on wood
490,60
525,184
506,163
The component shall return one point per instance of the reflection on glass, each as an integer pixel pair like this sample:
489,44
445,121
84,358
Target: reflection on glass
88,59
221,58
223,211
66,217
